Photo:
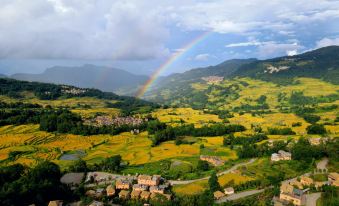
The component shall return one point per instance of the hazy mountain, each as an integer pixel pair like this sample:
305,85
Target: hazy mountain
89,76
2,76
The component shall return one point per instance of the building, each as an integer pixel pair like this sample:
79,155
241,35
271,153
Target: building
135,194
333,179
145,195
214,160
123,184
124,194
55,203
218,195
110,191
289,194
314,141
281,155
139,187
157,189
149,180
229,191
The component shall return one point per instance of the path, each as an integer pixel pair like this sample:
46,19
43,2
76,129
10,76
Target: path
311,199
183,182
239,195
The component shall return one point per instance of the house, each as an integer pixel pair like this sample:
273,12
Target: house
139,187
110,191
229,191
122,184
281,155
306,181
333,179
124,194
214,160
149,180
145,195
135,194
157,189
314,141
292,195
218,195
55,203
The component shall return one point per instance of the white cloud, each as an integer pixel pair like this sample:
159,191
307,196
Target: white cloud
292,52
203,57
273,49
80,29
327,42
245,44
140,29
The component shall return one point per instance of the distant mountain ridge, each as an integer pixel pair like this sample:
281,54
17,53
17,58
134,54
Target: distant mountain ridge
89,76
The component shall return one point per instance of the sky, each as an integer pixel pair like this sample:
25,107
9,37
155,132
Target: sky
140,35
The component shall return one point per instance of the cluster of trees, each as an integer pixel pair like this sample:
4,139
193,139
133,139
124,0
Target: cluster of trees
109,164
162,132
19,116
301,150
280,131
20,105
254,150
316,129
230,140
20,185
248,107
298,98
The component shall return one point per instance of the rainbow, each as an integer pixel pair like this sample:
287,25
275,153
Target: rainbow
169,62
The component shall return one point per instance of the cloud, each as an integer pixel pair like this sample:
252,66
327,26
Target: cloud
244,44
292,52
141,29
273,49
86,29
327,42
203,57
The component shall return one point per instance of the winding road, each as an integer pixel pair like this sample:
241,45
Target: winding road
183,182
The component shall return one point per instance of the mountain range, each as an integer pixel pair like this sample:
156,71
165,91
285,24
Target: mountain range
322,63
89,76
175,89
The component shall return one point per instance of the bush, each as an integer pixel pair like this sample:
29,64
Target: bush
316,129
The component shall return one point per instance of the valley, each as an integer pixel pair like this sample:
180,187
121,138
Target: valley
220,127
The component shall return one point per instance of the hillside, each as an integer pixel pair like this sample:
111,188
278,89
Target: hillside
322,63
32,92
89,76
207,86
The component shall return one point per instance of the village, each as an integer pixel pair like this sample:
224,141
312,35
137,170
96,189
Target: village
102,185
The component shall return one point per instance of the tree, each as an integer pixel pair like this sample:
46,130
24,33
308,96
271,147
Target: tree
203,165
316,129
213,182
79,166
